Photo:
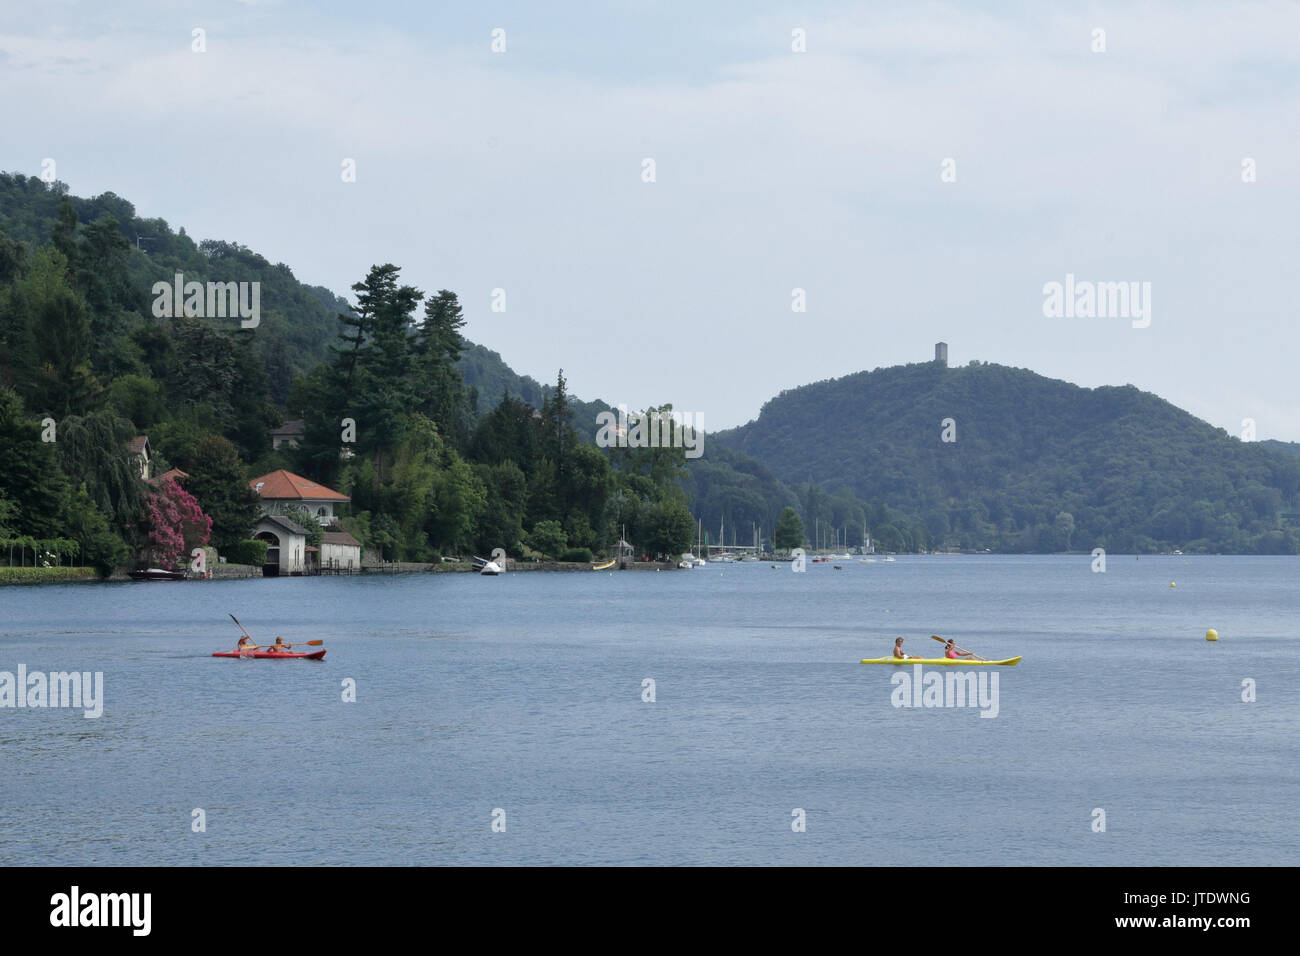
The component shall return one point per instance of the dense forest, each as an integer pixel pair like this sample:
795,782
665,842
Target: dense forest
434,465
1031,464
444,449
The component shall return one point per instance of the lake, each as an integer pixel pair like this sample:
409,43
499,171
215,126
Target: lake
524,694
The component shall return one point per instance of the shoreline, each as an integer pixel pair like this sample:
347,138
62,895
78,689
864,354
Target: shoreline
245,572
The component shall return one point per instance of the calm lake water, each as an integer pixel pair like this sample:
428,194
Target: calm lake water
524,693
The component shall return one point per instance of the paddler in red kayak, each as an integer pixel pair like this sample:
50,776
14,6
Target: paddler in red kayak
246,644
280,646
950,650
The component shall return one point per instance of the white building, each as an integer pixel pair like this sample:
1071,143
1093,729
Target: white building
281,489
286,541
340,551
288,551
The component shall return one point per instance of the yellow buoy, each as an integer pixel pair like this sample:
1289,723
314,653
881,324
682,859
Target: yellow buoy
1171,583
1211,635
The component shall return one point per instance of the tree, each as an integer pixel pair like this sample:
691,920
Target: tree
138,398
548,538
789,530
55,336
98,546
8,516
174,523
438,383
1063,525
502,523
555,443
30,477
668,528
92,453
217,480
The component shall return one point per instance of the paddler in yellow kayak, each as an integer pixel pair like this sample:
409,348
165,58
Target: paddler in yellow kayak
950,650
898,650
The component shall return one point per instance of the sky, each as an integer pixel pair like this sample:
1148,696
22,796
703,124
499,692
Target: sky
821,170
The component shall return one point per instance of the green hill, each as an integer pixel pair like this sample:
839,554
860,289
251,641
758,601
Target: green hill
297,323
1036,465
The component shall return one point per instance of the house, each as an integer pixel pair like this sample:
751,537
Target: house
286,540
290,433
340,551
172,474
281,489
142,455
288,551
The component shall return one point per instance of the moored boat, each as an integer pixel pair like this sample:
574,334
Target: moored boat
155,574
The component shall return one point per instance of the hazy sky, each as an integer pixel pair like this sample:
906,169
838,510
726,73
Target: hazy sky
775,170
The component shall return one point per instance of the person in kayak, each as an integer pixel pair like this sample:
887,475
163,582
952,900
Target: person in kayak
898,649
950,650
246,644
280,646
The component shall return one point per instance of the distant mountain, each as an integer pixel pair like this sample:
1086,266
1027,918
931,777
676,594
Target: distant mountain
1035,464
487,373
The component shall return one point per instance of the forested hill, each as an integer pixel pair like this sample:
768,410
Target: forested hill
298,323
136,407
1035,464
457,452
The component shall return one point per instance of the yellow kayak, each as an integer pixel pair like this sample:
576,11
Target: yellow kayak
948,661
602,567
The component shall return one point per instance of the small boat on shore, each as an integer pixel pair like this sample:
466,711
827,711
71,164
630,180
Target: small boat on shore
945,661
155,574
604,567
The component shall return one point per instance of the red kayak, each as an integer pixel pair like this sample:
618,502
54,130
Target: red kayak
279,655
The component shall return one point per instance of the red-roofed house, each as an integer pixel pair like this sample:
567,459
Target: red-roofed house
289,552
282,488
173,474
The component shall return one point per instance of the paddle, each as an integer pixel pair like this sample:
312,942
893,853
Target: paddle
316,643
958,646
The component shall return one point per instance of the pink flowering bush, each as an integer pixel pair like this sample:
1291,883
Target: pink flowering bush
174,523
